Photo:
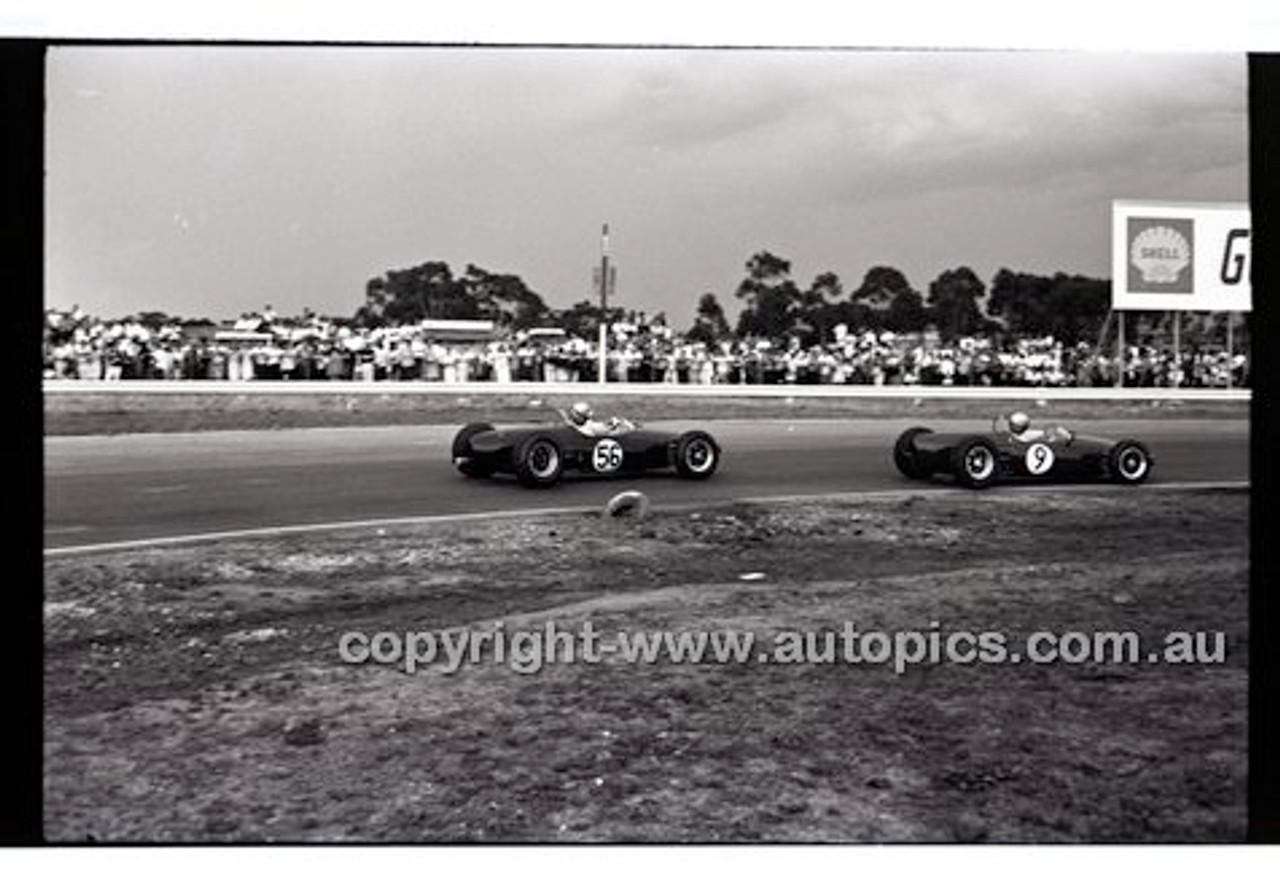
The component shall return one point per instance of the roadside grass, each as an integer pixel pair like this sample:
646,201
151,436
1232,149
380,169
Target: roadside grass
108,413
196,693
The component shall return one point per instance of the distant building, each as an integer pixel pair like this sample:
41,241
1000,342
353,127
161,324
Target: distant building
456,330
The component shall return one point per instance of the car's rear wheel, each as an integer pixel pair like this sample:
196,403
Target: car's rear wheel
905,456
975,462
1129,462
696,455
539,462
463,458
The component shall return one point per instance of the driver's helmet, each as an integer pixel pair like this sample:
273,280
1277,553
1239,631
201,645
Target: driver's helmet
579,413
1018,422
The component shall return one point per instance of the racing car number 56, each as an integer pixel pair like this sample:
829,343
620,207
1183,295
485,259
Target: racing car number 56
607,455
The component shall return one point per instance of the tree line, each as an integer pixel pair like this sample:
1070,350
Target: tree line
770,304
957,304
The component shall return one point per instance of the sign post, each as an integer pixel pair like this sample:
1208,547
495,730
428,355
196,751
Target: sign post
1120,352
1231,355
1177,349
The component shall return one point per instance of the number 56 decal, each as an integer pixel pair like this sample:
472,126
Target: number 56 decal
1039,459
606,456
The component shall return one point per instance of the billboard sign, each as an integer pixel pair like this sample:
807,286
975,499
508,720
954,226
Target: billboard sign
1180,256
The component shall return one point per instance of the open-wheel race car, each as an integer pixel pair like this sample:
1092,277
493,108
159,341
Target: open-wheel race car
1014,450
537,455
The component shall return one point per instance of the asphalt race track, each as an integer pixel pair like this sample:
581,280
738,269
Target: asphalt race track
121,488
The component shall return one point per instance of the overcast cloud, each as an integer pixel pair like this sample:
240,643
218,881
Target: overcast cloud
206,181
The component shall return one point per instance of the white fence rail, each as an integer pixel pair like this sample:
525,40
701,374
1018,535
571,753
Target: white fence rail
928,392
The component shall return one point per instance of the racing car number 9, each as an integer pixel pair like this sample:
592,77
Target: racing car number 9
1039,459
606,456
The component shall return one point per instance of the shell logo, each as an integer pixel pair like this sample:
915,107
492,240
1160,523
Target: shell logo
1160,253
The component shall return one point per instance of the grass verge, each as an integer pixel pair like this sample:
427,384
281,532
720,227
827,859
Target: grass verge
196,693
109,414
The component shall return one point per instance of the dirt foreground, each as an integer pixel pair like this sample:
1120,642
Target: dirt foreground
197,694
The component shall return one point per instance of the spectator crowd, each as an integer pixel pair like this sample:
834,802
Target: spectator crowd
261,347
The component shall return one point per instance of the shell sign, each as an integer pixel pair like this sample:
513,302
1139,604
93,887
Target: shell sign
1180,256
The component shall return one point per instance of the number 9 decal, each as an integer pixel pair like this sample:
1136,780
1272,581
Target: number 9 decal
1039,459
606,456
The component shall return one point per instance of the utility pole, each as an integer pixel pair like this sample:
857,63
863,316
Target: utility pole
606,277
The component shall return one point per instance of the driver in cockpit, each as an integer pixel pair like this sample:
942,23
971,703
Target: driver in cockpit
1020,428
583,418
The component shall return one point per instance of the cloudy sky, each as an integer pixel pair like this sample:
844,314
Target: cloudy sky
209,180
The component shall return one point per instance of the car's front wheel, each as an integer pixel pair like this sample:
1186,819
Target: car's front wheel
1129,462
975,462
696,455
539,462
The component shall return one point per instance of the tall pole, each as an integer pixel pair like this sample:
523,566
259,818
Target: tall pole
604,305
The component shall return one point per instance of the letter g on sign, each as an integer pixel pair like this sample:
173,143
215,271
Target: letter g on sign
1235,257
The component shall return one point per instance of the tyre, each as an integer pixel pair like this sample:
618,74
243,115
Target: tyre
696,455
1129,462
975,462
539,462
904,454
463,461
